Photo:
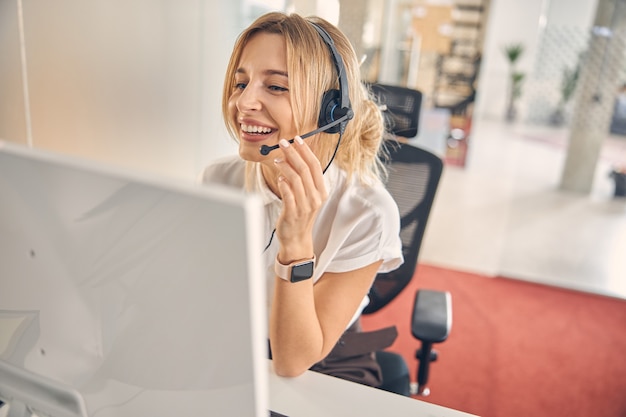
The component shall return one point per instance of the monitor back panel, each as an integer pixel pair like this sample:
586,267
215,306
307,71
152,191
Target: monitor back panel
147,297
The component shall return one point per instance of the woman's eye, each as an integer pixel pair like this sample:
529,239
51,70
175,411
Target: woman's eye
240,86
277,88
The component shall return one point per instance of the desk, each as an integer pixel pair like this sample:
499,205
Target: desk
317,395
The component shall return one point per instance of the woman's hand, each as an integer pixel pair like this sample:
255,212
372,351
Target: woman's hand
302,189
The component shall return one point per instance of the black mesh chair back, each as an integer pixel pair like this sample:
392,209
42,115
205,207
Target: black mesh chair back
401,107
414,175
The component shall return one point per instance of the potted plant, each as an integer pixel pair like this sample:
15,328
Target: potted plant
513,52
568,85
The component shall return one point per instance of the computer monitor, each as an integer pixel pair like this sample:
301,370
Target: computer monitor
143,297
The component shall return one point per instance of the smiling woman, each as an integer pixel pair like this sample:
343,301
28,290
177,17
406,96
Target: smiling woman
331,225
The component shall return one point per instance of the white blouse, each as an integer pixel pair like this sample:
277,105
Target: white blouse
357,226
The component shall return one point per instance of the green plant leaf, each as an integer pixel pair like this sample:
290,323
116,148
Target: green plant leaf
513,52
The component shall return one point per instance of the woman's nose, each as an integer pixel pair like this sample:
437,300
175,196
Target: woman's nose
249,99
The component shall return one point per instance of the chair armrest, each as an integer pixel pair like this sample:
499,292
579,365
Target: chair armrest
432,316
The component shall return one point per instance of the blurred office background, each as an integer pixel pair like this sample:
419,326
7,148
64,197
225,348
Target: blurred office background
527,192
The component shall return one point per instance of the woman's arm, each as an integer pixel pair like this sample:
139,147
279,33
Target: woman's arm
306,320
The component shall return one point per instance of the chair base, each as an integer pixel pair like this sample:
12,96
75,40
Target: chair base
416,389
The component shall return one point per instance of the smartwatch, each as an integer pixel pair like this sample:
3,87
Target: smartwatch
296,271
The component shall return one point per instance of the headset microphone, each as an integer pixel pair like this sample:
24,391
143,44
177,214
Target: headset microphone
347,116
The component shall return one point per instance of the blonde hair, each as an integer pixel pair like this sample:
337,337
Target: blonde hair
312,71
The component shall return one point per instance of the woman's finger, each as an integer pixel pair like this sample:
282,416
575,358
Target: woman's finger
315,168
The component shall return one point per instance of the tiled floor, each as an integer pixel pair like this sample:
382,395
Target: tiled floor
503,214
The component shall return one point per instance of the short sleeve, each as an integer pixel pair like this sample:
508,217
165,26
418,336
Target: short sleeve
365,229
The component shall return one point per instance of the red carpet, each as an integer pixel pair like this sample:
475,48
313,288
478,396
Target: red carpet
518,348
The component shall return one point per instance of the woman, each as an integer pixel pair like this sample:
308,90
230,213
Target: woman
331,225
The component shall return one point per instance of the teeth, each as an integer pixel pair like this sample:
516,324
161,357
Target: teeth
255,129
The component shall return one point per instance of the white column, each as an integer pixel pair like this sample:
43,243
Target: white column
595,95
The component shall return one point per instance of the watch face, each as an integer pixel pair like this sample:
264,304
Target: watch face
302,271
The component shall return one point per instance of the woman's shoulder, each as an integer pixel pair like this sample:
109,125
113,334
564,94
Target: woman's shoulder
363,225
377,198
228,170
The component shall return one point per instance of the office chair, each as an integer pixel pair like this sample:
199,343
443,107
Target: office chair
414,175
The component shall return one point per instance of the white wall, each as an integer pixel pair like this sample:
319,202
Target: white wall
571,12
135,84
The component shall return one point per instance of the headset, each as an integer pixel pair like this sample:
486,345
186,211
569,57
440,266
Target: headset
336,110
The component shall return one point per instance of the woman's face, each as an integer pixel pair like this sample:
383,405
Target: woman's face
260,103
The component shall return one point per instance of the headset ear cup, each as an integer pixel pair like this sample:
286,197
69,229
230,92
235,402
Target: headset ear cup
330,102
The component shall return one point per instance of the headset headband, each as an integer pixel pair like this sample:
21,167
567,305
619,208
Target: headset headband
343,81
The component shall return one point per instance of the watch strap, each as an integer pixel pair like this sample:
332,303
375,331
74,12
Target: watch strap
296,271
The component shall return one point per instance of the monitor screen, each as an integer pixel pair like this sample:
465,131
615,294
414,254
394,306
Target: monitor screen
145,296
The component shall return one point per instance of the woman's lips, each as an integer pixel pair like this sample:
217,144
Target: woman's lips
254,132
255,137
